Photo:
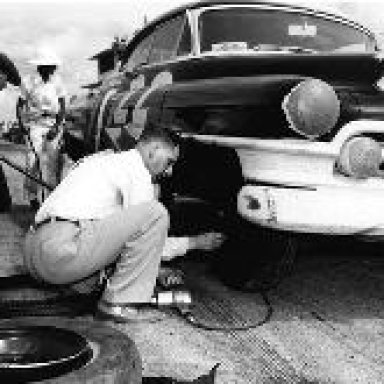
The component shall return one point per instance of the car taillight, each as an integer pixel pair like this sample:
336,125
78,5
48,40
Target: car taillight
360,157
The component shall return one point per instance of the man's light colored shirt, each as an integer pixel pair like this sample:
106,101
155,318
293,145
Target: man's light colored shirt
42,97
98,186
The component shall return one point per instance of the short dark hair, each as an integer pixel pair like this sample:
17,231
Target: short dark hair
164,134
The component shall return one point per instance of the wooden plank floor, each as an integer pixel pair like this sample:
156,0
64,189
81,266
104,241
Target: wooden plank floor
327,324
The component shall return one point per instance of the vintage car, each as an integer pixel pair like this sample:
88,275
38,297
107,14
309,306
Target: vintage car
280,112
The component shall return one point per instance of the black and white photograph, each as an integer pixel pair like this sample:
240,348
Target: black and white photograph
192,191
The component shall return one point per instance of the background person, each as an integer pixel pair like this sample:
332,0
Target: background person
8,74
5,197
3,80
41,111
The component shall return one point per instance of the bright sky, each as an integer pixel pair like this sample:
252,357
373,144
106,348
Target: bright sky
77,29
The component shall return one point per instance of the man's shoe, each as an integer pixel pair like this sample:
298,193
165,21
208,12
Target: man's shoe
126,313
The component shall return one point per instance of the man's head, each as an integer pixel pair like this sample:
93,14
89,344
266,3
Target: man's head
160,151
3,80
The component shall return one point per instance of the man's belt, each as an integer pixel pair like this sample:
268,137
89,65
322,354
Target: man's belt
54,219
48,114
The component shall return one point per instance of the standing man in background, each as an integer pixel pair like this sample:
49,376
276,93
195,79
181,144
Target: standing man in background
5,197
3,80
41,111
8,74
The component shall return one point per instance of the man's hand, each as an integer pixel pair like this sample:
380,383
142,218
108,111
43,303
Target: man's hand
179,246
207,241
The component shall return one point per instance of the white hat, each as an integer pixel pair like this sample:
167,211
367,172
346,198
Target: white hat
46,57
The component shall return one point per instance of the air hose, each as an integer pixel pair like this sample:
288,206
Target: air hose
181,301
191,318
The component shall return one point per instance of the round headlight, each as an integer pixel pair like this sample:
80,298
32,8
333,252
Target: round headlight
360,157
312,108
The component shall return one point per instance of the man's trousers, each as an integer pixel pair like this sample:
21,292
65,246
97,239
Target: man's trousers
64,252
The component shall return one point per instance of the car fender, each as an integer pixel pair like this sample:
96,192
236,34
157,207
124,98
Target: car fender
234,91
135,108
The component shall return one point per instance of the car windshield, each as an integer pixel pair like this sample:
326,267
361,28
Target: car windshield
255,29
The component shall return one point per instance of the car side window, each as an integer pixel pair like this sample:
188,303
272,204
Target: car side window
185,44
167,38
140,55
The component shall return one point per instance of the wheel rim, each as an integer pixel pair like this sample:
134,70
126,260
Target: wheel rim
40,352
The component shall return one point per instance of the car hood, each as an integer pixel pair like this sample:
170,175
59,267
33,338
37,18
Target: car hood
362,68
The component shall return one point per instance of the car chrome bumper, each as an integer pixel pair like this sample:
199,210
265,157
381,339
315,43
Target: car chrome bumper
323,210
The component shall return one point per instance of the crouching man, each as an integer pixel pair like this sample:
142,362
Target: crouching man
105,212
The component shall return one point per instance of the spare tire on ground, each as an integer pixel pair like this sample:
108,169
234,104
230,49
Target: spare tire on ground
115,360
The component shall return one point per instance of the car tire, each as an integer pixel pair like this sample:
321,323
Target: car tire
116,358
256,259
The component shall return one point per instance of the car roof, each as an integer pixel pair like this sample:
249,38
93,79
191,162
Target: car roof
278,4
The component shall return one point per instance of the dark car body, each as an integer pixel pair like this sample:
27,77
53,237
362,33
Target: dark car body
218,73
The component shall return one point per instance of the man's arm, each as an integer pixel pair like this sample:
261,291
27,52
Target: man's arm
179,246
57,132
21,107
61,114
